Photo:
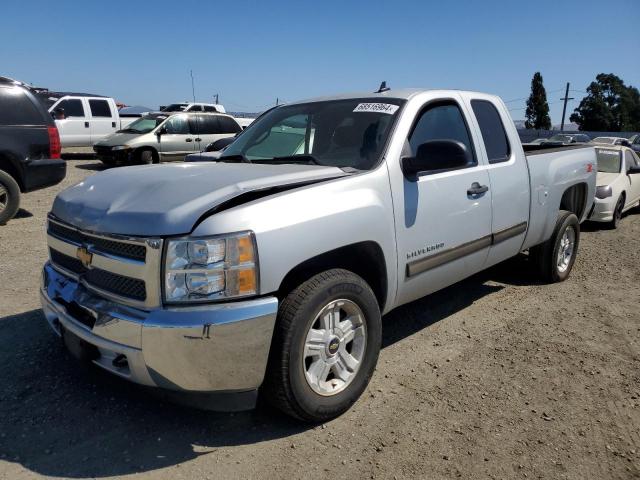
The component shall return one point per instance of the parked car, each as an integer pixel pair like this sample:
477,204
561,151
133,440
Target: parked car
635,143
164,137
29,147
193,107
567,139
85,120
612,141
271,268
618,184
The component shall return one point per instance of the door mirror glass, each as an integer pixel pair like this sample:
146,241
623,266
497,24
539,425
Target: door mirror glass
58,114
436,156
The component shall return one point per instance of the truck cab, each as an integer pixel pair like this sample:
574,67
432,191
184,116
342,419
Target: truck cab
269,270
84,120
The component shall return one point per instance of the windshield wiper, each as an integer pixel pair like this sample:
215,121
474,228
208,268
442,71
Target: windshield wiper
304,158
238,158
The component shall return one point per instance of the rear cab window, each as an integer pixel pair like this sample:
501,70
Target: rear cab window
494,135
100,108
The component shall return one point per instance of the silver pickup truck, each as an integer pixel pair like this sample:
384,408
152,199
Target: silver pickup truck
270,268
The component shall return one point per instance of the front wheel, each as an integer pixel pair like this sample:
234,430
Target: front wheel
556,256
617,213
325,346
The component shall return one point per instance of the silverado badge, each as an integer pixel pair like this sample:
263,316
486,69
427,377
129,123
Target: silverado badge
84,255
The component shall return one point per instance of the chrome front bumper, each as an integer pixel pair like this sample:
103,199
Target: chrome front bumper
208,348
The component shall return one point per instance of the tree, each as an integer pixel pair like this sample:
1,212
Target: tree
537,113
610,106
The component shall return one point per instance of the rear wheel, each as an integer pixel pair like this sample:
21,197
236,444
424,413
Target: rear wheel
325,346
9,197
556,256
617,213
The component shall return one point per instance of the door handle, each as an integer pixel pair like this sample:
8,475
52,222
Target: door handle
86,124
188,140
477,189
198,139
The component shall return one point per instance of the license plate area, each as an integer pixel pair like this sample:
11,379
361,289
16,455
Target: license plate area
79,313
79,348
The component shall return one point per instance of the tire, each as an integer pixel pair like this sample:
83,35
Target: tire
9,197
617,213
288,383
147,157
547,255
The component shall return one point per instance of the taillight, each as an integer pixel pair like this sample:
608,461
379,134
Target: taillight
54,143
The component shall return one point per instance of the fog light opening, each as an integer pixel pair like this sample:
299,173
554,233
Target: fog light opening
120,361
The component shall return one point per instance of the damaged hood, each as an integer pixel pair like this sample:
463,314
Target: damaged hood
158,200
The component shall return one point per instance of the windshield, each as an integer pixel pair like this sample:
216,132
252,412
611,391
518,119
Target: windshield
609,161
144,124
175,107
340,133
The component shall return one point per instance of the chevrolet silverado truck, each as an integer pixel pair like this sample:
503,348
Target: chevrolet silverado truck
270,268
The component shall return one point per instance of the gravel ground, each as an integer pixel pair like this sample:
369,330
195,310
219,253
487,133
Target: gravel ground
495,377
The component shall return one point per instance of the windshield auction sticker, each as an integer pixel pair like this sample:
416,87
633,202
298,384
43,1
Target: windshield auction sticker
377,107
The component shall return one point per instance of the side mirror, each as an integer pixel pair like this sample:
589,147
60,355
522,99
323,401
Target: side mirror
436,156
633,170
161,131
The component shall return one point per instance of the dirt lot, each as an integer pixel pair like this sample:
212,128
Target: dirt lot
495,377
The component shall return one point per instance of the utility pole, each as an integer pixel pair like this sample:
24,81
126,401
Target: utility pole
564,108
193,88
277,99
217,102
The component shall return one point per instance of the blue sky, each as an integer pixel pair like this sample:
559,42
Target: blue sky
254,52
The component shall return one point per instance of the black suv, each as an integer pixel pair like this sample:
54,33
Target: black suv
29,146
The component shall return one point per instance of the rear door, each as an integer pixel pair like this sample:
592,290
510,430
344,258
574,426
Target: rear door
103,118
75,128
210,128
508,176
177,140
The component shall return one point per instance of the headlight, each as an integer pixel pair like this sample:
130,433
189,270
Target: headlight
120,147
603,192
213,268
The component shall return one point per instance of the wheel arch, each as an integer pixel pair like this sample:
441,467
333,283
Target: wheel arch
574,199
365,259
9,166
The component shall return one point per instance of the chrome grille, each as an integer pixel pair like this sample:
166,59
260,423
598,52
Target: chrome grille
127,250
124,269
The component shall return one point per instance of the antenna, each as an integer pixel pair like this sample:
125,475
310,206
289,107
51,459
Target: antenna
193,88
383,87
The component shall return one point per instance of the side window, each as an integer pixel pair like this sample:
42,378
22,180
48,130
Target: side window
195,108
204,124
100,108
228,125
17,108
72,107
493,133
177,125
629,159
441,122
209,108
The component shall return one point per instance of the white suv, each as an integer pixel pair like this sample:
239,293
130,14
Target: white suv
194,107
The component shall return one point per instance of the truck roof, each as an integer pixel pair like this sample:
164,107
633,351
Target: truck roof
401,93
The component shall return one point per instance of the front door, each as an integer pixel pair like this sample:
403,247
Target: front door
74,128
444,224
176,140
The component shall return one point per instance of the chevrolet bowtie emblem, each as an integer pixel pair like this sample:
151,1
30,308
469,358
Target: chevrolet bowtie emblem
84,255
